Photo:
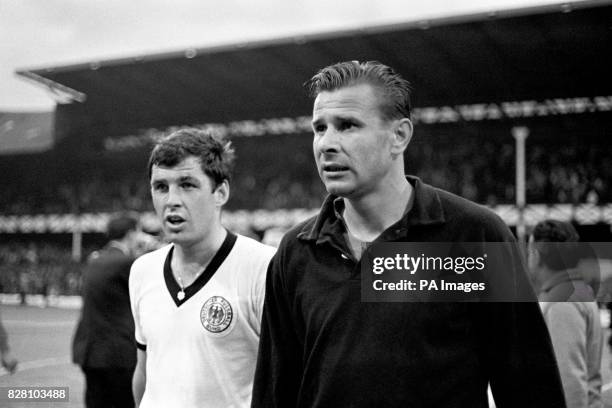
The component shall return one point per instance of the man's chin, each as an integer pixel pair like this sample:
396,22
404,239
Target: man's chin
339,189
177,237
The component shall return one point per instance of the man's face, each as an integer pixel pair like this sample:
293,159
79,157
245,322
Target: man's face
184,201
352,142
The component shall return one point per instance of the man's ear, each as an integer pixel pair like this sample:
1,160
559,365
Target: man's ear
534,257
402,134
221,193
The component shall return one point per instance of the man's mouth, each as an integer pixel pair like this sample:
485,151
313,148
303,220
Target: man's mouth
174,219
334,168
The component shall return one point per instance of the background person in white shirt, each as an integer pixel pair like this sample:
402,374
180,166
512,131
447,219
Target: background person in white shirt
570,311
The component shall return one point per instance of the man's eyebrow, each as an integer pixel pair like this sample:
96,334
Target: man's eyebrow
315,121
336,118
187,178
178,179
348,117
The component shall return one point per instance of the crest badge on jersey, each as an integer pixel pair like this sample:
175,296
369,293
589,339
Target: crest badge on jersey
216,314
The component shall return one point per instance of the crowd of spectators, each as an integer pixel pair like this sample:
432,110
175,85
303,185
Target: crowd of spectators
277,172
38,268
482,171
97,194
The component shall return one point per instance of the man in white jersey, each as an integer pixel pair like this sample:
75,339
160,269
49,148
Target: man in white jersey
197,303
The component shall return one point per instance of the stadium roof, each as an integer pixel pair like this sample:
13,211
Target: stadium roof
527,54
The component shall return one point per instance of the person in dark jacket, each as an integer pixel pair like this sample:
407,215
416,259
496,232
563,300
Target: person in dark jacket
103,343
322,345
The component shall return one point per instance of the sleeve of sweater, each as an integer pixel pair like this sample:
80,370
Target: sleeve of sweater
519,355
279,363
522,367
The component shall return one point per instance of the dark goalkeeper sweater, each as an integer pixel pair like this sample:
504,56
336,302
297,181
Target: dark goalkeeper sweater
321,346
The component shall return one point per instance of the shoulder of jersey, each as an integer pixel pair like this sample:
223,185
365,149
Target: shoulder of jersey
256,248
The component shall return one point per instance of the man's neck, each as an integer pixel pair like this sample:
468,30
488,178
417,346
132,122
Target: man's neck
367,217
191,260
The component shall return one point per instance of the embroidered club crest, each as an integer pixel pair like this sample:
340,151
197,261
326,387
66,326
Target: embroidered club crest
216,314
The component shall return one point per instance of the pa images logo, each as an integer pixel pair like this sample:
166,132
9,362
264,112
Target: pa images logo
216,314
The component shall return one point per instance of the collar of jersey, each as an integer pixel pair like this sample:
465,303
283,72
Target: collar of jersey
213,265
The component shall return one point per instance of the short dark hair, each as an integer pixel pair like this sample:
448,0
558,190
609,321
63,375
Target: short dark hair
395,90
557,243
216,155
119,225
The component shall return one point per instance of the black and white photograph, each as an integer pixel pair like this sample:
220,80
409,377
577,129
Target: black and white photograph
311,204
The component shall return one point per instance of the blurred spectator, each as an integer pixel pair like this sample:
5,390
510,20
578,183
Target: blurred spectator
6,358
24,286
571,314
273,236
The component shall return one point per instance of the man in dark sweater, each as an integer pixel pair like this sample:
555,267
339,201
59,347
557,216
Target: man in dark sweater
321,345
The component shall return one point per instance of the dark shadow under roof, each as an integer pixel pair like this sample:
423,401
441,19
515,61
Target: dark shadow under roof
537,53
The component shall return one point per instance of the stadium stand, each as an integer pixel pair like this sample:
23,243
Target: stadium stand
282,175
45,269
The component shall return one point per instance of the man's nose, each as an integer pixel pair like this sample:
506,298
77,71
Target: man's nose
328,141
174,196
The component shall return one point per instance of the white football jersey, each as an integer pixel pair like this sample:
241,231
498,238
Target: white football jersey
202,344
